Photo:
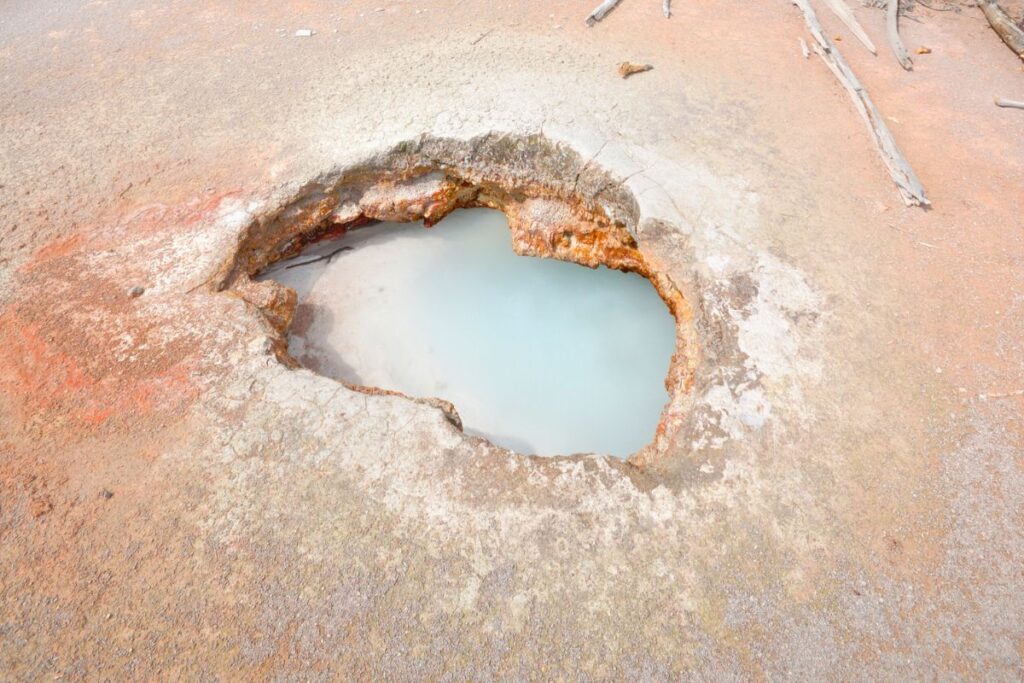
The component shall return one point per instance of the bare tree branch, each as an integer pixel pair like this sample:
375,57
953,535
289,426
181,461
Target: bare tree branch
899,169
601,10
845,14
1011,104
1001,23
892,18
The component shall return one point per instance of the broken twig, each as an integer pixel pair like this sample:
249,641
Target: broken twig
1010,104
627,69
892,29
804,49
666,8
1001,23
325,257
601,10
1002,394
899,169
845,14
481,36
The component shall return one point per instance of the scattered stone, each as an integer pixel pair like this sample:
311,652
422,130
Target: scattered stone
106,494
136,291
924,50
304,33
627,69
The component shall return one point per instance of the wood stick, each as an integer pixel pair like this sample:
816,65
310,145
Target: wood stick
665,8
804,49
892,29
1012,104
325,257
481,36
845,14
903,175
601,10
1001,23
1002,394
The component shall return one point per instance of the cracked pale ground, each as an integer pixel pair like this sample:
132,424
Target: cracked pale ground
846,502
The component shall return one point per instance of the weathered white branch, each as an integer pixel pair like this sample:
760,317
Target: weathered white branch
903,175
1012,104
601,10
1001,23
845,14
892,29
666,9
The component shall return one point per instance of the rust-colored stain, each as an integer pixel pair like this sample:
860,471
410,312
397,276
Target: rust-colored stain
54,376
54,369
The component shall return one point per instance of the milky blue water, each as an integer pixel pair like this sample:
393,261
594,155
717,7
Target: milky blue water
537,355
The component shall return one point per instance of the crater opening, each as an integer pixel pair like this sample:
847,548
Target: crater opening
537,355
540,357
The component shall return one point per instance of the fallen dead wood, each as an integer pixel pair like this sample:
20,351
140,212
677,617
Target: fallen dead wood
903,175
845,14
325,257
627,69
601,10
1002,394
1001,23
666,8
1011,104
892,29
481,36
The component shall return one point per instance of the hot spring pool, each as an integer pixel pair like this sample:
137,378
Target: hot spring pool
540,356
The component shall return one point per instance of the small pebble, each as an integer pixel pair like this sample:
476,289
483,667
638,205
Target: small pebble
304,33
136,291
106,494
